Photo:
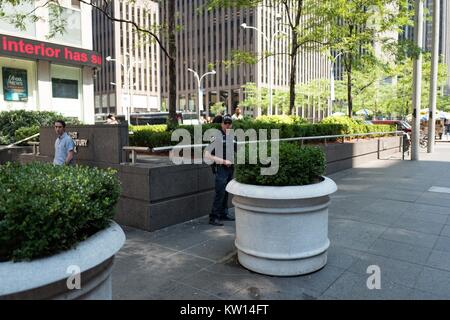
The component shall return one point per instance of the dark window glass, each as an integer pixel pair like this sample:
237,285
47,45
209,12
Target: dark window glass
64,88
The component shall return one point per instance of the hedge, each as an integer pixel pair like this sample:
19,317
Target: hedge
46,209
146,136
297,166
11,121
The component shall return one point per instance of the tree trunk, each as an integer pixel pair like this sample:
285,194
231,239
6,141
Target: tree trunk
172,61
293,75
349,88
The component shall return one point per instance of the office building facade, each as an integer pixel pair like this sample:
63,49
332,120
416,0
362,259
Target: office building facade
129,81
208,38
55,74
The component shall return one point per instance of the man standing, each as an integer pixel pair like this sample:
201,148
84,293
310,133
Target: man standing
237,114
223,170
64,145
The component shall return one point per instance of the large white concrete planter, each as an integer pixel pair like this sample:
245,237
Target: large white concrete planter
282,231
46,278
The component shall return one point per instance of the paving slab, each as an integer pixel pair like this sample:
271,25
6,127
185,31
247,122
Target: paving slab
354,286
413,238
400,251
436,282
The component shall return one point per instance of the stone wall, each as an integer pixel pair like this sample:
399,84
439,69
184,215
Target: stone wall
161,194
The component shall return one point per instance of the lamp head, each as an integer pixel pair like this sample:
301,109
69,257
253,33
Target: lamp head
244,25
213,72
108,58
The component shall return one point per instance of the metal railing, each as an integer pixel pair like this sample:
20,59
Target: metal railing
9,146
301,139
135,150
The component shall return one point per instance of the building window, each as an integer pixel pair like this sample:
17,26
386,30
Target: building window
76,4
72,32
23,8
64,88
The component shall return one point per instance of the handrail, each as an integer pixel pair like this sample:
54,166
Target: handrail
9,146
168,148
133,151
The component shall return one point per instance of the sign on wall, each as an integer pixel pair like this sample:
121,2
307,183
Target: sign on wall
40,50
15,85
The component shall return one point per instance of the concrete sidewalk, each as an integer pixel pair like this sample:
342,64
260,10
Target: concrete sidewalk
383,214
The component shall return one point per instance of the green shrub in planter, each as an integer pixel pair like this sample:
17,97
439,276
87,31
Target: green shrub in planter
10,121
151,128
26,132
352,126
298,166
45,209
282,119
150,139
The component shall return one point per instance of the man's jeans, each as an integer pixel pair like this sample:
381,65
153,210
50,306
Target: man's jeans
220,206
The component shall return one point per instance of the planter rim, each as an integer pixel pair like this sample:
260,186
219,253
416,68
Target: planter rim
27,275
316,190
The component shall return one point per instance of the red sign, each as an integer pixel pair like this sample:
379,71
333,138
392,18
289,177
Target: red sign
40,50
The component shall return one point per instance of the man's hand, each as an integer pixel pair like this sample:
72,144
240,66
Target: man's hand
227,163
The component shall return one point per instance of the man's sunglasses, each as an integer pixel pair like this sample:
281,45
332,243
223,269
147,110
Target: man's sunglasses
228,122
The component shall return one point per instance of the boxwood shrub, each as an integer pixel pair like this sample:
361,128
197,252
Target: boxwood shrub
11,121
288,126
297,166
45,209
26,132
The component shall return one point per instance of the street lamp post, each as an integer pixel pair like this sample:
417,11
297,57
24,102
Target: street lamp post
434,76
200,91
417,80
270,43
127,109
332,93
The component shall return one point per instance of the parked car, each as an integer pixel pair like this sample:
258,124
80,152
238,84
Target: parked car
401,124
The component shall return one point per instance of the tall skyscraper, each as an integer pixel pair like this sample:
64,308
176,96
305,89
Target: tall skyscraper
208,38
129,81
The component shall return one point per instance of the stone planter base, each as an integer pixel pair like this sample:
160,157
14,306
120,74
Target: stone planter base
46,278
277,267
282,231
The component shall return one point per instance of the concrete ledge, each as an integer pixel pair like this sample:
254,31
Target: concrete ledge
13,154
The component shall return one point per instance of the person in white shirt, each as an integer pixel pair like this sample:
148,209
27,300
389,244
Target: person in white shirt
237,114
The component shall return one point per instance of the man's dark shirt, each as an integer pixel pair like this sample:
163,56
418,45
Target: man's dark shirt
228,142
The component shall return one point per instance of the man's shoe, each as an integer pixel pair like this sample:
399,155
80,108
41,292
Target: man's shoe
227,218
216,222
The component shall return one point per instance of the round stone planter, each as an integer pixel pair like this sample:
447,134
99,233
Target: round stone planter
48,278
282,231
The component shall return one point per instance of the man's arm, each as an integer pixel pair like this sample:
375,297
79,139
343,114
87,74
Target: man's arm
70,153
69,157
217,160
